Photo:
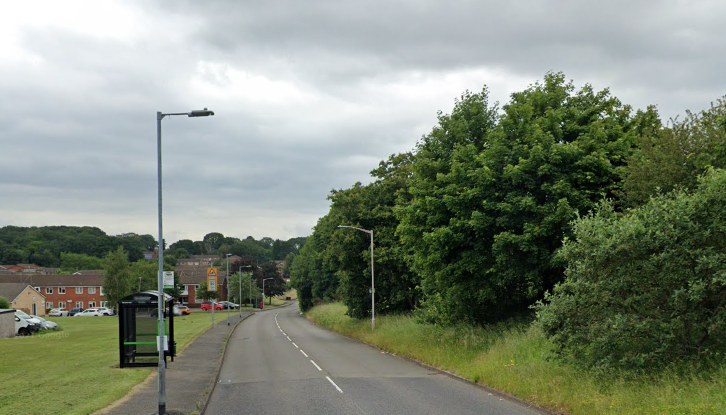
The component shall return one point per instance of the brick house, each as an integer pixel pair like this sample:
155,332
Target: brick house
192,277
82,289
23,297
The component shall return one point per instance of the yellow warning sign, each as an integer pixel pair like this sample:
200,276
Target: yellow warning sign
211,279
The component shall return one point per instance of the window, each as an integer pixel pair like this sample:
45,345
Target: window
92,290
79,290
79,304
61,290
92,304
105,303
100,289
49,290
49,304
37,289
61,304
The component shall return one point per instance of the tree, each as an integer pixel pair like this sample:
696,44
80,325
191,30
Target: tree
203,292
143,275
646,288
4,303
71,262
274,286
673,157
117,283
492,197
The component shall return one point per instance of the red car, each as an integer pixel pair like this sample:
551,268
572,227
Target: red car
208,306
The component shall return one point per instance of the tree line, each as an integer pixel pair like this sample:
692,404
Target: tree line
498,211
72,247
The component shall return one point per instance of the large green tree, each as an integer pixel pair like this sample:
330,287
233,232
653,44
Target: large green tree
117,282
493,196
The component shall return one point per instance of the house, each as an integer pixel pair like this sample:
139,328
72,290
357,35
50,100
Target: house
198,261
192,277
23,297
82,289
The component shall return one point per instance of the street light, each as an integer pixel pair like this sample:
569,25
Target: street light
263,290
227,276
373,287
161,342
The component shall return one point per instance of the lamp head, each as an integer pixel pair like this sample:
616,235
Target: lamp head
201,113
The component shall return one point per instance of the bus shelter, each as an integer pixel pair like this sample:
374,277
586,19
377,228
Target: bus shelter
138,329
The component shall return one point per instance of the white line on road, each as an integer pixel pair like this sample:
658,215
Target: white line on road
316,365
333,383
304,354
296,346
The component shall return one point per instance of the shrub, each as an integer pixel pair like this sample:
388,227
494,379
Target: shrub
4,303
645,288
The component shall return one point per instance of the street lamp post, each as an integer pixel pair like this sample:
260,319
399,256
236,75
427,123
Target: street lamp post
227,276
263,289
373,280
161,342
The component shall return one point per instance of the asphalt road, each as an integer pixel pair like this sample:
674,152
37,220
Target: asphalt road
279,363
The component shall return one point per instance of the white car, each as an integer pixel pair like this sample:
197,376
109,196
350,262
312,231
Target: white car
25,324
88,313
58,312
105,311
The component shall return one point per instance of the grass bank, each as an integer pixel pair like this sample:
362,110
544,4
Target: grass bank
74,370
513,358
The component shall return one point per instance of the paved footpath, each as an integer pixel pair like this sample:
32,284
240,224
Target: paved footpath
189,378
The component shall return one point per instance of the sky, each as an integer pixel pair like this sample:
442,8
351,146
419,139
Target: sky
309,96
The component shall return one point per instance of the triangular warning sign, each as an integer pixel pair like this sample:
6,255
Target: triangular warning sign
212,272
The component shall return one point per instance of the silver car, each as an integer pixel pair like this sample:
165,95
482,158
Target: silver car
46,324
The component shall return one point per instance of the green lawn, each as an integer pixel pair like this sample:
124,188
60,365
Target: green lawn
74,370
516,358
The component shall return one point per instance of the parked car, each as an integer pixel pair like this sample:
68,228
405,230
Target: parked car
229,305
75,311
89,312
207,305
46,324
180,310
25,324
58,312
105,311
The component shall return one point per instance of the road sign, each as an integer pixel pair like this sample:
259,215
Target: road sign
211,279
168,279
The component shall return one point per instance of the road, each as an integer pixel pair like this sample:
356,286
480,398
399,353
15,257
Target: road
279,363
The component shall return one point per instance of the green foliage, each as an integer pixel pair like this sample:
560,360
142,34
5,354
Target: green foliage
646,288
203,292
143,275
4,303
117,283
673,157
71,262
493,196
335,263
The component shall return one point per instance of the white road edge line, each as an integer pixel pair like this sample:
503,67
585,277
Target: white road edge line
316,365
304,354
296,346
333,383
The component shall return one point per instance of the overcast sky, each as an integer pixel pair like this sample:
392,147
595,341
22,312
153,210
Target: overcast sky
309,96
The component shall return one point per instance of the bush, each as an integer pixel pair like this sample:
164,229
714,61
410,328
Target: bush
646,288
4,303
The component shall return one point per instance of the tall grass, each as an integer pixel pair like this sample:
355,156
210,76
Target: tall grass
515,358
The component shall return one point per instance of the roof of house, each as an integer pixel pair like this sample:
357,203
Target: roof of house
54,280
196,275
12,290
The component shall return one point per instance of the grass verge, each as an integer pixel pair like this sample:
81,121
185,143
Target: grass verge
74,370
513,358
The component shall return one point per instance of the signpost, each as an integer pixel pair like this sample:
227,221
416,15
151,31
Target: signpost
212,286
